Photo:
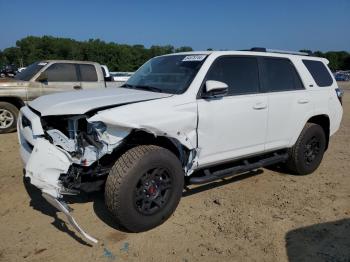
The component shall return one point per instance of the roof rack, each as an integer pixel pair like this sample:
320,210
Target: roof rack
263,49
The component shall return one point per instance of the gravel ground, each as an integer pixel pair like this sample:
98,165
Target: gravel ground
262,216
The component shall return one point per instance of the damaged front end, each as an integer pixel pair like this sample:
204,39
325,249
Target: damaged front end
73,150
65,154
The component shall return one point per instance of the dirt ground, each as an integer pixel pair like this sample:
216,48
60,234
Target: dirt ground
262,216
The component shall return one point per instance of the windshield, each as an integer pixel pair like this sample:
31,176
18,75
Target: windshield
30,71
167,74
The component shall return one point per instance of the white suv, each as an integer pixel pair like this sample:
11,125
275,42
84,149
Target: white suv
187,117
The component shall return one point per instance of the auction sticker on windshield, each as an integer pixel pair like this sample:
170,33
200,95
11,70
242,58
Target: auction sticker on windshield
194,58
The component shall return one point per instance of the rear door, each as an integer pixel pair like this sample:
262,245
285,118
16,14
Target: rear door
235,125
289,101
61,77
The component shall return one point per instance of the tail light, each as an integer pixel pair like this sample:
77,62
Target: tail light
340,94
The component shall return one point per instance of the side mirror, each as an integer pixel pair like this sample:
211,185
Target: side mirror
42,78
215,89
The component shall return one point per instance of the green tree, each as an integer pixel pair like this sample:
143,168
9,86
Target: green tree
183,49
12,55
118,57
2,59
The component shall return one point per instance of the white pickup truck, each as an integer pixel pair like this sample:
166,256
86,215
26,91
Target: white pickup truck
188,117
47,77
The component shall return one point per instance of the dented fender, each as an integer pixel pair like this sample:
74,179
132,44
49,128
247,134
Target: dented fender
175,121
178,122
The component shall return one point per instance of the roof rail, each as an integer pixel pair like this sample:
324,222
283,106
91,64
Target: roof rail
263,49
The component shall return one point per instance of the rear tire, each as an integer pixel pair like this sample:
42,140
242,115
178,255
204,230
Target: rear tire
307,153
8,117
144,187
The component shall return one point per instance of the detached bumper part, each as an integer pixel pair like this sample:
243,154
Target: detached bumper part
44,167
61,206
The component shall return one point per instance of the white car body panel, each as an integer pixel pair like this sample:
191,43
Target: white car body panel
287,111
70,103
45,174
180,122
244,119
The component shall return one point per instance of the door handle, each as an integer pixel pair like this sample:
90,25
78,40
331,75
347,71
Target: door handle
77,87
303,101
259,106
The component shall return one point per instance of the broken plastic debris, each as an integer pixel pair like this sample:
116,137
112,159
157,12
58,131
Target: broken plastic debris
61,206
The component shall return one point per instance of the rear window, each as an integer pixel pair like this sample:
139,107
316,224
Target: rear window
88,73
280,75
319,72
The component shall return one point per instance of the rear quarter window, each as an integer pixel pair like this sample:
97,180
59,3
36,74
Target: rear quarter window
319,72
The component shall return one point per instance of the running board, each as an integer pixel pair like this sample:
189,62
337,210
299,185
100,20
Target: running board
62,206
241,168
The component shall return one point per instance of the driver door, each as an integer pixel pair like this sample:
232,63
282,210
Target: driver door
234,125
61,77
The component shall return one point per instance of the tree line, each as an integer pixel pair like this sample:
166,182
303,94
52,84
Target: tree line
118,57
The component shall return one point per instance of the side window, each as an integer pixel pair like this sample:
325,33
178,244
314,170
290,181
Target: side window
61,72
319,72
87,73
279,74
241,74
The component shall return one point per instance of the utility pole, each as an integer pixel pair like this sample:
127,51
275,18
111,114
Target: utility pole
21,62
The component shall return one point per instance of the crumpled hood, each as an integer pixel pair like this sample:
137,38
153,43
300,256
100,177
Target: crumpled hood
80,102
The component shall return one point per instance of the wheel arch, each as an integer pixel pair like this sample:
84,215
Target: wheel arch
320,119
324,122
140,137
16,101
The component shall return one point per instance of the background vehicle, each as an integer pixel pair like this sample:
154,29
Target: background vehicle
121,77
19,70
47,77
8,71
342,76
194,117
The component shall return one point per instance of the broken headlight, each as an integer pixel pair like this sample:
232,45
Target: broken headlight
98,126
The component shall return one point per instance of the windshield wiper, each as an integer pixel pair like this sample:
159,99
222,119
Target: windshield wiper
144,87
127,85
149,88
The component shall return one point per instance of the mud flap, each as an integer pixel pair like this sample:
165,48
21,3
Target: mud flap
62,206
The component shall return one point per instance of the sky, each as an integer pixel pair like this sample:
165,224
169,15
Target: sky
222,25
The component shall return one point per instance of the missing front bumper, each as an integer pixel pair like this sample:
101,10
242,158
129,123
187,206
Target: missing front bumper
44,167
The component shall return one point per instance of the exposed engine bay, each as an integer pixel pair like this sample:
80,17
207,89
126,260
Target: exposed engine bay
86,143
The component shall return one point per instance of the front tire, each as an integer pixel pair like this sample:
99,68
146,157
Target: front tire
144,187
307,153
8,117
